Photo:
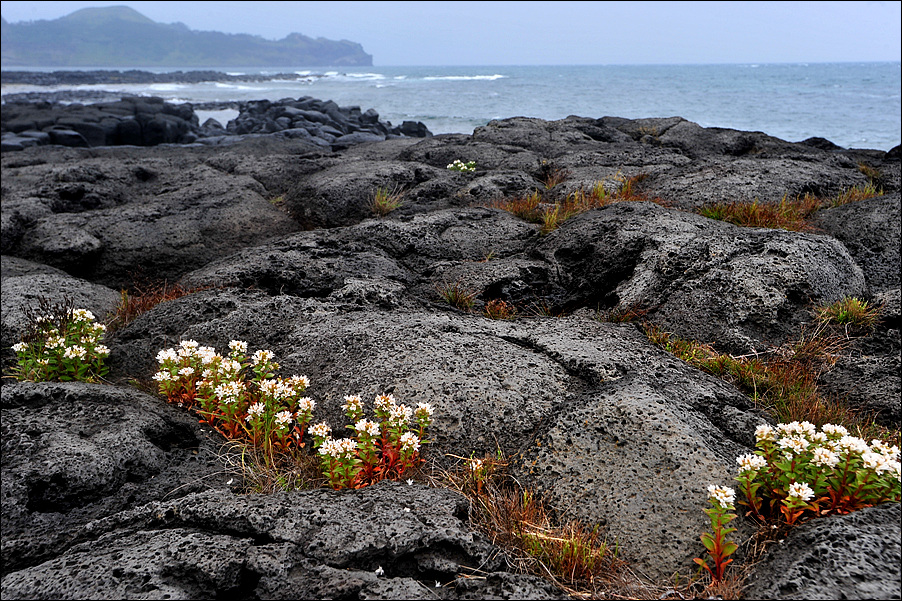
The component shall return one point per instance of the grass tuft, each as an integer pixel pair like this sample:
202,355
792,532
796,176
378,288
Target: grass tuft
550,215
143,299
576,558
385,200
499,309
856,315
457,295
784,381
789,214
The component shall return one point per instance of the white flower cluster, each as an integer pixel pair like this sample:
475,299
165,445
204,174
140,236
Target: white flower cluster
724,495
342,448
63,347
458,165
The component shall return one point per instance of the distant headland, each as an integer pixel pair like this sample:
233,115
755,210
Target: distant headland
119,36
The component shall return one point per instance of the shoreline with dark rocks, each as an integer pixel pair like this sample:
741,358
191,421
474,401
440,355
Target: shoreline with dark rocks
110,492
150,121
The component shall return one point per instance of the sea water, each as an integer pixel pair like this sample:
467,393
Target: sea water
851,104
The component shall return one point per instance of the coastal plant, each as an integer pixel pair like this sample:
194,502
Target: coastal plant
852,313
461,167
60,343
385,200
237,395
457,295
552,176
241,397
550,215
576,558
783,380
856,194
792,214
499,309
798,471
143,299
787,214
717,542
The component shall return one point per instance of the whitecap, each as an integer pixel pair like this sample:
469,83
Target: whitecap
464,77
165,87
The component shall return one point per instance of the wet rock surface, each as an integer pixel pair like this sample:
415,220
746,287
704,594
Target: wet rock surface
109,492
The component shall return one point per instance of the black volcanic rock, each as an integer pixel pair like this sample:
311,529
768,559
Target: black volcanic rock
107,490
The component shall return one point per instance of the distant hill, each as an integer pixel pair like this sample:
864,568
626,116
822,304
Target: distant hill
119,36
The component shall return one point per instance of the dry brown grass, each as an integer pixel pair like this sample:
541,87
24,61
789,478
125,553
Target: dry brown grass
577,559
457,295
550,215
784,381
144,298
792,214
499,309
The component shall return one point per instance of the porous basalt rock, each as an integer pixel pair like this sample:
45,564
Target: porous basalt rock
850,556
610,428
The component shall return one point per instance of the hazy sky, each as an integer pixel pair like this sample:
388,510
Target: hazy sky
549,33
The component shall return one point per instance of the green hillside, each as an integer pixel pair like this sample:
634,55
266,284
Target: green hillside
119,36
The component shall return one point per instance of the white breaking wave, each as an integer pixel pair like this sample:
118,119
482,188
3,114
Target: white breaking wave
464,77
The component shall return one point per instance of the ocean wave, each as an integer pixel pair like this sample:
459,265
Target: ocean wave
165,87
464,77
364,75
232,86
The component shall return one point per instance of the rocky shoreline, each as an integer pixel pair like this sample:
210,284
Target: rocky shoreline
149,121
108,491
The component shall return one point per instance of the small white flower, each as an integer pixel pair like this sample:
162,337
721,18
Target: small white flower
186,371
229,392
283,418
255,410
407,510
20,347
853,444
384,402
352,404
890,452
300,382
238,346
306,405
167,355
424,410
75,352
793,444
874,461
410,442
750,463
101,350
834,431
82,315
764,433
724,495
262,356
410,482
380,571
320,430
365,426
162,376
824,457
801,491
400,414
